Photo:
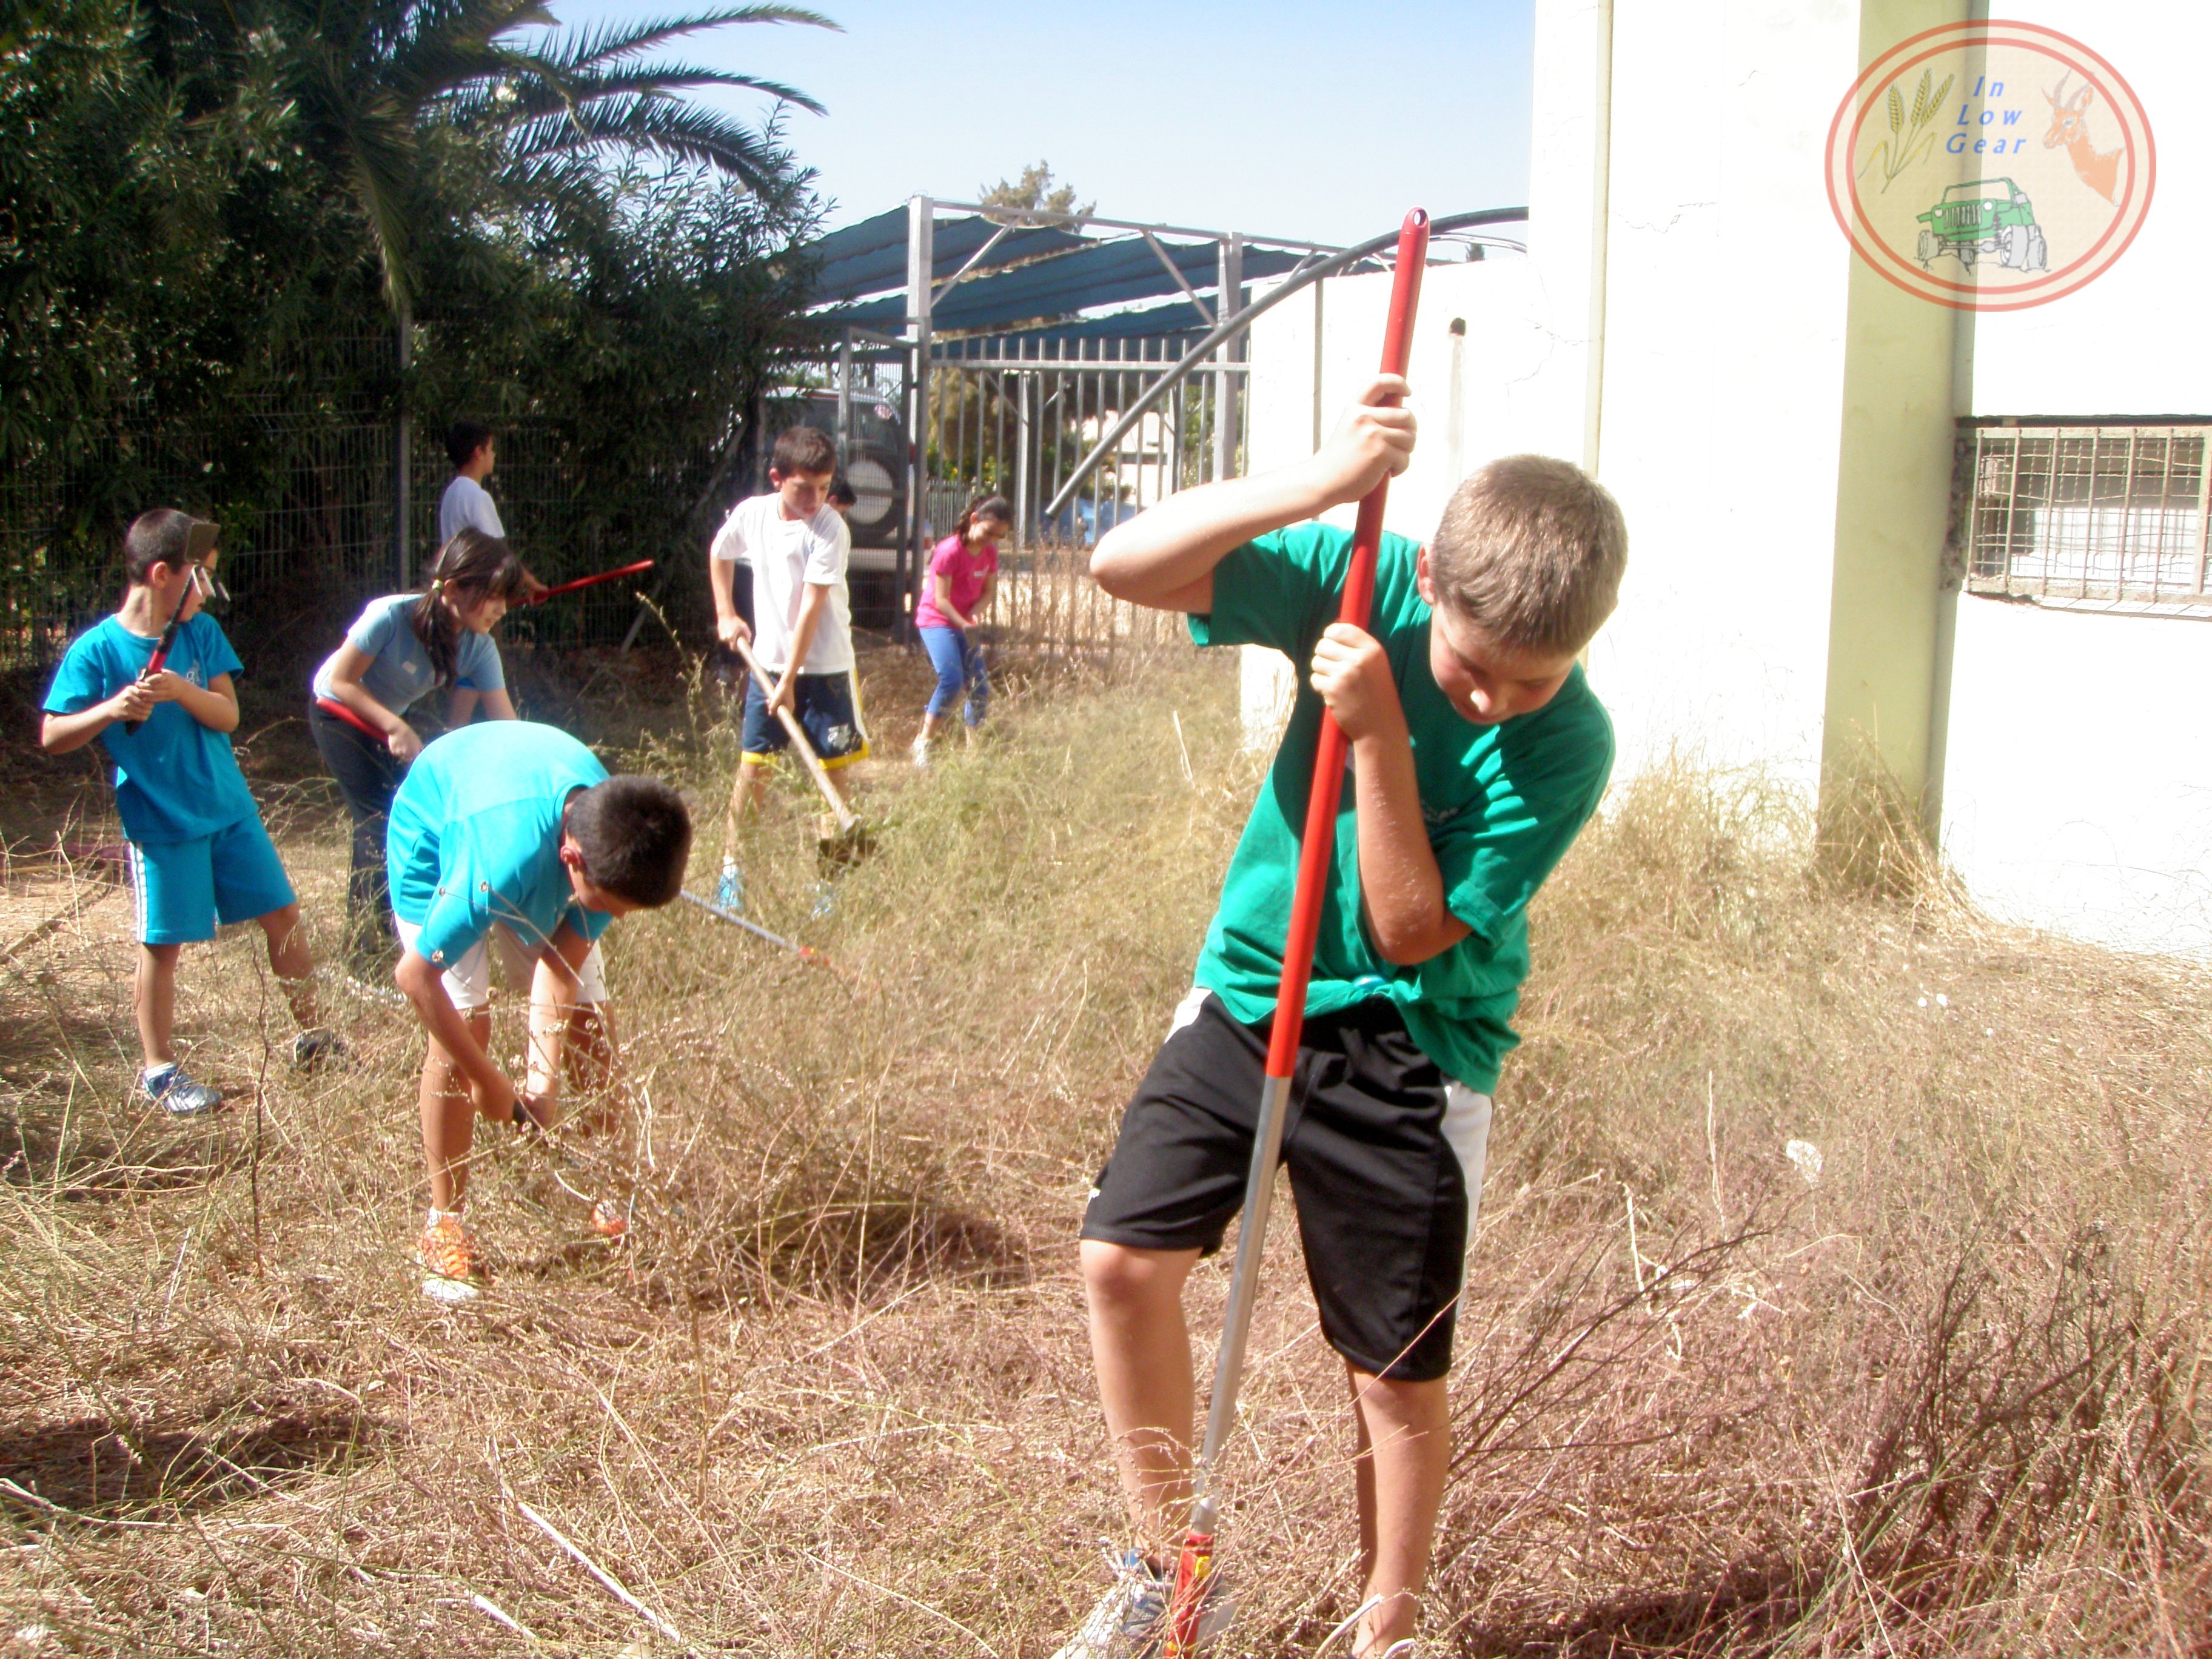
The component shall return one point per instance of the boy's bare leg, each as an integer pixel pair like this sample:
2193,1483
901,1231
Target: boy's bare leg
1404,1452
1142,1352
449,1117
291,960
587,1057
153,1000
747,791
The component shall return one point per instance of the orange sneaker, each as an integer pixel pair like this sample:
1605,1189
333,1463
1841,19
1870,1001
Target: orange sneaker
447,1254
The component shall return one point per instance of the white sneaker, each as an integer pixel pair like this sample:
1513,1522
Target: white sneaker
920,752
178,1095
1130,1620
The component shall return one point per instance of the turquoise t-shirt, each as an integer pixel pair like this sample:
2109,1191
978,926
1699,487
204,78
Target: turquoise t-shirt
1502,804
175,780
399,673
475,837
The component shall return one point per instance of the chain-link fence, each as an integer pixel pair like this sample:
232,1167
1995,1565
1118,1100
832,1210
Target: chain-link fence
305,496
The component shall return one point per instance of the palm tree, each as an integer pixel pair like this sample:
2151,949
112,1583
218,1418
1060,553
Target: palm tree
368,82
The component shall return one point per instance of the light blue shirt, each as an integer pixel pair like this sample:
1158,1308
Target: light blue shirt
399,672
475,838
175,780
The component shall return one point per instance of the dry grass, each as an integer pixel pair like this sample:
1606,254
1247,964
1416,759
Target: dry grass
834,1396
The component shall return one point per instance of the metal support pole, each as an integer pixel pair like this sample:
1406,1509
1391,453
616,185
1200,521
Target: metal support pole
844,397
1225,402
1318,358
1021,462
403,447
920,272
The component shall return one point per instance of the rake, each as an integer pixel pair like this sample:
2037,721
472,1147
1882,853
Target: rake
851,840
1194,1566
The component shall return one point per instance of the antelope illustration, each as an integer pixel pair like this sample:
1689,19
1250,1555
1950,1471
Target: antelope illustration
2100,172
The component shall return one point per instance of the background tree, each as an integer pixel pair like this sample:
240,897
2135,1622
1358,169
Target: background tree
205,205
1032,193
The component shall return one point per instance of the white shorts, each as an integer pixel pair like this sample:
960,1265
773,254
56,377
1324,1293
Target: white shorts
468,981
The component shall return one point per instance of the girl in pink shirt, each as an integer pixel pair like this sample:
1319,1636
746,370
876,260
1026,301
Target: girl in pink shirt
961,570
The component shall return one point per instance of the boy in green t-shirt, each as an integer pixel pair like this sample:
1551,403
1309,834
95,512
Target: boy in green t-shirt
1478,753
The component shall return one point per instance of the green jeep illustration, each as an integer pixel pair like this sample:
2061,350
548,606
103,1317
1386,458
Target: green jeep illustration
1990,215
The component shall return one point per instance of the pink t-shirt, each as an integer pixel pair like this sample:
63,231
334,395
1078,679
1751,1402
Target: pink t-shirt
964,568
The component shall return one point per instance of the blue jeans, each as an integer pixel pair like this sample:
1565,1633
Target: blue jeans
959,666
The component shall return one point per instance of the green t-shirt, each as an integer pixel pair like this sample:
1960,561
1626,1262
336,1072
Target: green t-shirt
1502,804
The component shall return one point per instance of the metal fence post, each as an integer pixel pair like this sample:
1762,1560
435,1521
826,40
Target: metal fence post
1225,403
921,276
402,444
844,396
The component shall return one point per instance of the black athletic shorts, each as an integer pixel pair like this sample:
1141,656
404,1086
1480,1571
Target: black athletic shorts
1385,1156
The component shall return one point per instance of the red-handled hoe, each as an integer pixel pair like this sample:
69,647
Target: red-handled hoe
1194,1569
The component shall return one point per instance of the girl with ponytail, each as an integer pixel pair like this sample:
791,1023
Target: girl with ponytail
402,648
962,569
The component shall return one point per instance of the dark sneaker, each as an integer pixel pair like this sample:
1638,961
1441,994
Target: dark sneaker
319,1048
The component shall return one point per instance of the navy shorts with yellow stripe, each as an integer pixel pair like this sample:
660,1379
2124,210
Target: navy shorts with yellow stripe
182,889
829,710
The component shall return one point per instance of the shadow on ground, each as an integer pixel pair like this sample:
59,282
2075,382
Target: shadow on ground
89,1467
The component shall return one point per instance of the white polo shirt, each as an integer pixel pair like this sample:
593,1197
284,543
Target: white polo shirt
467,504
789,555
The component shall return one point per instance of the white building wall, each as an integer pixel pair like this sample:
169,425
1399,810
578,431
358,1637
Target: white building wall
1722,387
2133,342
2079,795
2078,785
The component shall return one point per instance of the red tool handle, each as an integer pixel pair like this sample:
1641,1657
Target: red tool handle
588,582
1317,848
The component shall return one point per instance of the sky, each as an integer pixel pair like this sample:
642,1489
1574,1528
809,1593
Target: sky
1320,119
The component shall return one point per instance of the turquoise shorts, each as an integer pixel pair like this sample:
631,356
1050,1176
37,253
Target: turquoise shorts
182,889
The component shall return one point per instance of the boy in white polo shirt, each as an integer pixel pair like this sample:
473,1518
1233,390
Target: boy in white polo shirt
473,448
797,546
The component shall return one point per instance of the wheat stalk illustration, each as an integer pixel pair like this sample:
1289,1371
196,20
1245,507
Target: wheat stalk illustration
1907,143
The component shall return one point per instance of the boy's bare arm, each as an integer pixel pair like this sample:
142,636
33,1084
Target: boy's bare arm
424,983
552,1000
213,705
58,734
1401,888
1165,556
721,581
815,601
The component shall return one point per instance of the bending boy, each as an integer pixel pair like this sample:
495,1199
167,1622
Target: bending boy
513,832
1478,752
199,853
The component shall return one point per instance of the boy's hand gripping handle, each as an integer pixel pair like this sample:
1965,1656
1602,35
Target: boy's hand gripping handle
1316,856
162,646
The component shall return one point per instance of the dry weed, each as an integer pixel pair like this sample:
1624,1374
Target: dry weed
833,1394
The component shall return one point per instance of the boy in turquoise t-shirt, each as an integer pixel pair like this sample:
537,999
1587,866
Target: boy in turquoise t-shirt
198,852
512,834
1478,752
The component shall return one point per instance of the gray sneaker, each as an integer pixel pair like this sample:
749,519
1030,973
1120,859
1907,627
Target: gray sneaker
176,1094
1130,1620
